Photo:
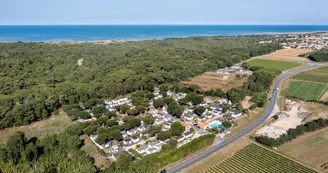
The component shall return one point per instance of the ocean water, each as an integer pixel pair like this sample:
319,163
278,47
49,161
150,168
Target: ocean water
138,32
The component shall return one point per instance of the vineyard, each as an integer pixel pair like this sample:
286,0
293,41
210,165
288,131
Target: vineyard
254,158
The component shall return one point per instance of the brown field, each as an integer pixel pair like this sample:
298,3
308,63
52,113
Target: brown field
217,157
310,149
287,55
53,125
212,80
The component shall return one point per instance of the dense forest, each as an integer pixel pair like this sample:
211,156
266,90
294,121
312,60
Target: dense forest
38,78
319,56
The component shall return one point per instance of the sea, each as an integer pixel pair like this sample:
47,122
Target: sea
58,33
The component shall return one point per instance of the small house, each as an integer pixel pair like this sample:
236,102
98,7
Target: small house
127,142
135,139
143,149
188,134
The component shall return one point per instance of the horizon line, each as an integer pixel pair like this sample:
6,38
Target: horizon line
159,24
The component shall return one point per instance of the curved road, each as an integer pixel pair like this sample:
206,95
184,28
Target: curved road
240,134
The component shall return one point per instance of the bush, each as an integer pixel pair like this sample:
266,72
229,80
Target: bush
227,124
275,116
171,145
254,106
136,153
56,112
164,135
199,110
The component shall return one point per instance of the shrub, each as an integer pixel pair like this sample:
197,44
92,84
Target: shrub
275,116
254,106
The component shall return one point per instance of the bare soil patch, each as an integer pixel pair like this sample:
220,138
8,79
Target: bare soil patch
287,55
292,117
246,103
212,80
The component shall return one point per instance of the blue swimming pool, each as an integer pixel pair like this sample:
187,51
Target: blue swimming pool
214,124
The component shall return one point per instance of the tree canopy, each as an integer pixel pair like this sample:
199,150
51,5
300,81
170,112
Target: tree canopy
38,78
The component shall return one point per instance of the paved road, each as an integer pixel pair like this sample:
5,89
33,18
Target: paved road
240,134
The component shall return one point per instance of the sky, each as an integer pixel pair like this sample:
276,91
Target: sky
55,12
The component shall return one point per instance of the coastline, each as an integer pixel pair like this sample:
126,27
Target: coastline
117,41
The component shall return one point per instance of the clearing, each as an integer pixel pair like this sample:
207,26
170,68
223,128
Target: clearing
311,149
254,158
273,64
293,116
90,148
307,91
212,80
55,124
288,55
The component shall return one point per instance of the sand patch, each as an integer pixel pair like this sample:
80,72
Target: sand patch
246,103
293,117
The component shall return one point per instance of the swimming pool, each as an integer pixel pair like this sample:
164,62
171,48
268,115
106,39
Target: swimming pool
214,124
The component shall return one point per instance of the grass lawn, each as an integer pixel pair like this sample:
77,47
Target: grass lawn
272,64
53,125
307,91
310,149
254,158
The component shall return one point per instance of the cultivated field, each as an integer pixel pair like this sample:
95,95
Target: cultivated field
310,149
288,55
307,91
53,125
212,80
316,75
254,158
273,64
309,85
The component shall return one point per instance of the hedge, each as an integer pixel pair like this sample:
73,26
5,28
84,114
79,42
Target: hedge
187,149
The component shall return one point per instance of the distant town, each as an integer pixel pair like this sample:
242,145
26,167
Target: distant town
314,41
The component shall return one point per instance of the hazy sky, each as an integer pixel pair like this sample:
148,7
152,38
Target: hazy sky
163,12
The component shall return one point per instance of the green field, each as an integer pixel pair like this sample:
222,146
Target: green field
272,64
316,75
307,91
254,158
